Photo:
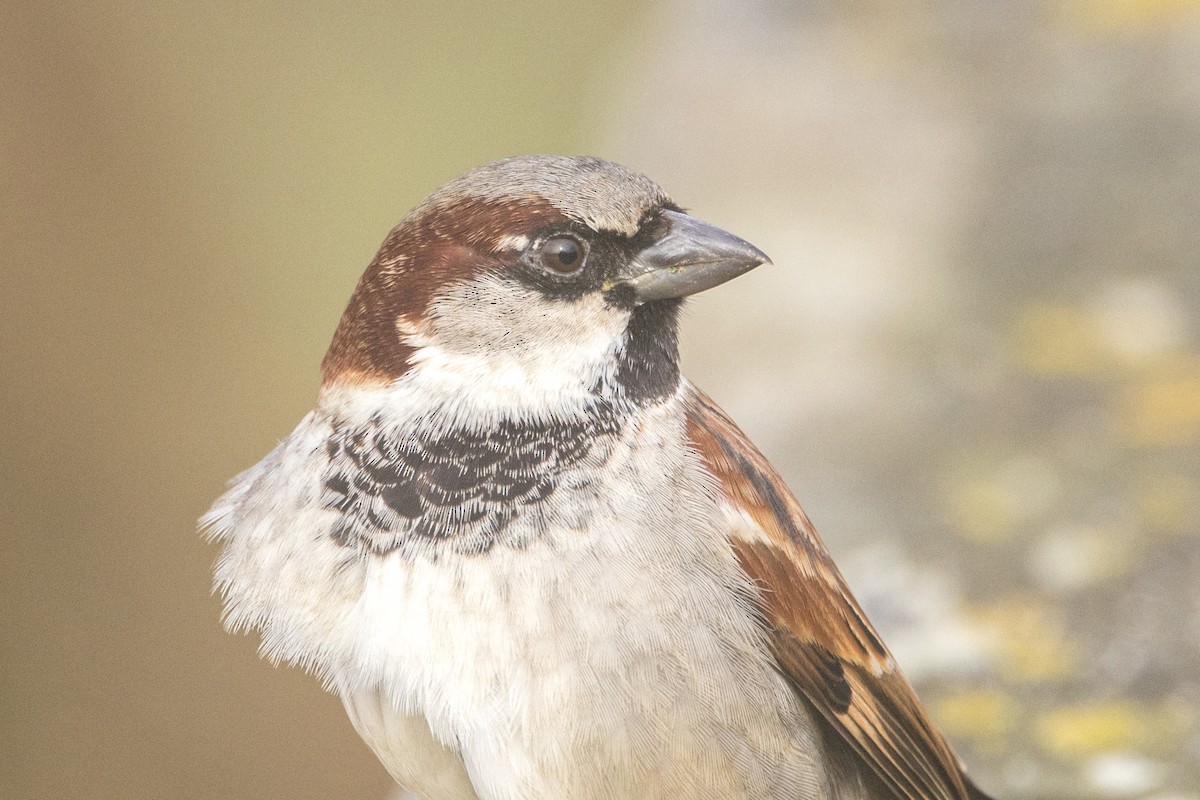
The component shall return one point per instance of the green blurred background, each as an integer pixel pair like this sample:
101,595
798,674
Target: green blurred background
975,359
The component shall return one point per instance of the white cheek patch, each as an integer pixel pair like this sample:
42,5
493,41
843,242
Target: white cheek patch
501,346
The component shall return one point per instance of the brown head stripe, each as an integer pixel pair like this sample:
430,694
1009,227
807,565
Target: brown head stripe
432,248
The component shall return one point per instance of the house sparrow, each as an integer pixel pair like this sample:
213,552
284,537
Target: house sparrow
535,561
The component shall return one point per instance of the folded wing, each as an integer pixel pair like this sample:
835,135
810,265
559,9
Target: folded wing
819,635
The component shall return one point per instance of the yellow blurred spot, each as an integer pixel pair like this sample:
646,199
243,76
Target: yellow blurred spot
1163,410
1118,15
1169,503
1028,639
988,718
988,508
983,511
1080,730
1074,731
1058,340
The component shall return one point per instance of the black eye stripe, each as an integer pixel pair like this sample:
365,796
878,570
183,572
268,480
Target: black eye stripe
603,255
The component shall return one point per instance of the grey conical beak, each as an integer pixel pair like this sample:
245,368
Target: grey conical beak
690,257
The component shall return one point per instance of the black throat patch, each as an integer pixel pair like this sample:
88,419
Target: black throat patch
648,369
460,488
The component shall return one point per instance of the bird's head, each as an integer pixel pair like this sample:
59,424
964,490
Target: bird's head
532,282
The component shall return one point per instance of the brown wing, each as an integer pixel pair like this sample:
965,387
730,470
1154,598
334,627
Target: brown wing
820,636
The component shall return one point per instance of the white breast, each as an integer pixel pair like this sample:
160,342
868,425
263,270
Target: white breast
613,656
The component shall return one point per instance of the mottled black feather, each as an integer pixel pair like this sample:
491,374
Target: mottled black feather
462,487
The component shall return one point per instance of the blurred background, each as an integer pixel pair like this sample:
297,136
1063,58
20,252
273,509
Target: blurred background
976,358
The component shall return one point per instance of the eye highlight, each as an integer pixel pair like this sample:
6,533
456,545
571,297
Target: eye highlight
562,254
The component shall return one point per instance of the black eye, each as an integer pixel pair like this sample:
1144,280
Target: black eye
563,254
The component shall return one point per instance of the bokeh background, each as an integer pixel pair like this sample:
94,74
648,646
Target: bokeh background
976,358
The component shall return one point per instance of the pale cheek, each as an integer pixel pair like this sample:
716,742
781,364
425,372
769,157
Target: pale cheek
499,332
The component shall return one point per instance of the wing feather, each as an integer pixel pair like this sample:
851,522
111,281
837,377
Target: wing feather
820,636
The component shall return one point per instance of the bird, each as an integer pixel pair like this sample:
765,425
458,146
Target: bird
534,560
